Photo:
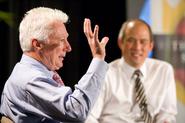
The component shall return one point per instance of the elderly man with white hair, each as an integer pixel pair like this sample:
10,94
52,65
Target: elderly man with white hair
34,92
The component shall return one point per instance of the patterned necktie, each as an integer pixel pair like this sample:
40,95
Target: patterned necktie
140,98
58,79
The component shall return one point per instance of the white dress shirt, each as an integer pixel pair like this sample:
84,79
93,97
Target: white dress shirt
31,95
116,102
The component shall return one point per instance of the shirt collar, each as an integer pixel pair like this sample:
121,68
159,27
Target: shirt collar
143,69
33,62
129,70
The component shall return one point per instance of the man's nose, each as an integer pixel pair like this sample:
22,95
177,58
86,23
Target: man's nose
137,45
68,47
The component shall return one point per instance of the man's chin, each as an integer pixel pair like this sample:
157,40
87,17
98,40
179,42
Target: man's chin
60,66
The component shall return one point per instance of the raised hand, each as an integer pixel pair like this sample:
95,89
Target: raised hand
97,47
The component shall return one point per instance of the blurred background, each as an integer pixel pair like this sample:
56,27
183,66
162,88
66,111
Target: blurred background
166,17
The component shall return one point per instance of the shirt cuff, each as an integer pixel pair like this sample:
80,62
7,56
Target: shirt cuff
98,65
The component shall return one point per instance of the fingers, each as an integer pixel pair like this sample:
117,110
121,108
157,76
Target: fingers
85,25
93,35
104,41
97,47
96,30
87,28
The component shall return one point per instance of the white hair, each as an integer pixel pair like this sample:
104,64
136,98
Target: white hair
35,25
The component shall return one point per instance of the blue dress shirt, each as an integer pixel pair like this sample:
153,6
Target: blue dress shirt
31,95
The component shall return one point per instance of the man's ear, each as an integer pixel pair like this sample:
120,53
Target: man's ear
151,45
36,45
120,43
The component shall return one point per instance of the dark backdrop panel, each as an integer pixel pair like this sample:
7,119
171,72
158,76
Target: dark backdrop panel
109,15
